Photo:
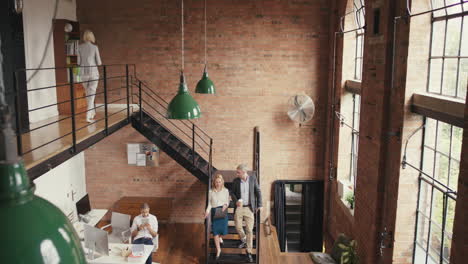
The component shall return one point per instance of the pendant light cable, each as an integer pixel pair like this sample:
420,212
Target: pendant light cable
205,33
182,23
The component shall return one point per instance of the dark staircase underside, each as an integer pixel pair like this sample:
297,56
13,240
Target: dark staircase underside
172,146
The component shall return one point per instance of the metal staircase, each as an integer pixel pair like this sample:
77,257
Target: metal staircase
139,105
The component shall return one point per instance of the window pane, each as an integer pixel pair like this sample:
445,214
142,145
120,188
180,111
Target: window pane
435,242
447,248
454,172
463,77
454,9
425,198
423,231
457,137
438,32
429,132
449,86
441,171
428,163
453,36
443,137
464,46
437,4
419,255
437,208
450,216
435,75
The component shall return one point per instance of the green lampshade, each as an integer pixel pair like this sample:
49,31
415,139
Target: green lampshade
205,85
34,230
183,106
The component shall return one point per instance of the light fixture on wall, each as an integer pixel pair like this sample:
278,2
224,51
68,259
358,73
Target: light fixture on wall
183,106
205,85
34,230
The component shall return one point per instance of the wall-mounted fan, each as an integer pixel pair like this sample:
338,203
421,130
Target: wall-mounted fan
301,108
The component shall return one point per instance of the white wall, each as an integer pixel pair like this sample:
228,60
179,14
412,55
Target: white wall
58,184
37,23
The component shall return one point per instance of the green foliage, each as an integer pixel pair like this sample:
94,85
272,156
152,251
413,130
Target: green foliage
349,255
350,199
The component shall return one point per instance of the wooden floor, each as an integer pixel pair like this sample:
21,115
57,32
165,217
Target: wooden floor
41,136
270,252
184,243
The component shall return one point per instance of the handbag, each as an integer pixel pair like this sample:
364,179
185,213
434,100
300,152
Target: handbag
219,213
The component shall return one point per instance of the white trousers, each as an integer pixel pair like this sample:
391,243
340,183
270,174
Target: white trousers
90,84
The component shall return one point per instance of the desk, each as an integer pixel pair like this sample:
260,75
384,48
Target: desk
115,257
95,216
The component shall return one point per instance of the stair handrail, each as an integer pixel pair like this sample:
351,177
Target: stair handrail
167,103
21,91
257,170
145,89
208,219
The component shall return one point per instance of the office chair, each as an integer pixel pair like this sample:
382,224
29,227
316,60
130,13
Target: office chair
120,224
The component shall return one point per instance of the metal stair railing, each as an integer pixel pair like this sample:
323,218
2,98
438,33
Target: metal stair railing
115,79
257,170
184,130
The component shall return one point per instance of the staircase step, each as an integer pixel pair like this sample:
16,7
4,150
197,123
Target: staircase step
230,258
293,208
232,250
232,230
232,223
228,243
293,228
231,236
294,246
293,236
293,222
293,217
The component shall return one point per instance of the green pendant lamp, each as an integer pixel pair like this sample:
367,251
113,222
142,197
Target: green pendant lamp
205,85
183,106
33,229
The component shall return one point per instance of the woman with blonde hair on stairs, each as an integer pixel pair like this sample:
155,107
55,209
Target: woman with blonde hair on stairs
218,203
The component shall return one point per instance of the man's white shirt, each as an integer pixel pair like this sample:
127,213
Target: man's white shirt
139,220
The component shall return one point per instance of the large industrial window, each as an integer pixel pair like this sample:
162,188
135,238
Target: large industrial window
358,62
353,30
437,192
448,59
441,151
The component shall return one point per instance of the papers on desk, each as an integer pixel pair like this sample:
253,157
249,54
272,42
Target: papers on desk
138,250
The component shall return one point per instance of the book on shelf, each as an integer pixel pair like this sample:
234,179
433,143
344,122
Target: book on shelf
71,47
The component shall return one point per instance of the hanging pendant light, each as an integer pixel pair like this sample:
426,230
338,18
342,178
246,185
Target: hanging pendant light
183,106
33,229
205,85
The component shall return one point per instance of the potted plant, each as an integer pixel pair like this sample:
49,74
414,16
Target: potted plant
349,255
350,199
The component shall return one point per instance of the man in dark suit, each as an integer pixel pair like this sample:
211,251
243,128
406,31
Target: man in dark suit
248,197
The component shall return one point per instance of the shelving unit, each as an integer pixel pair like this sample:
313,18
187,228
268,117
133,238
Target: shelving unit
65,51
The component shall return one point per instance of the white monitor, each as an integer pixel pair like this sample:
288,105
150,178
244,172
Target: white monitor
96,239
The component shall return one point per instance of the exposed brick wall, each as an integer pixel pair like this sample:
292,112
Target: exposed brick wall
382,113
386,196
109,177
410,77
259,53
